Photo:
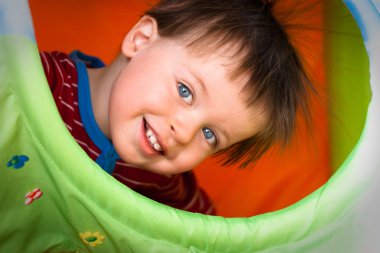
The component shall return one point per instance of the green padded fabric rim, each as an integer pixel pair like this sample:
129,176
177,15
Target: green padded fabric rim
346,72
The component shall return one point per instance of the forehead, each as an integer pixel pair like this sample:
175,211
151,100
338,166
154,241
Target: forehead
228,52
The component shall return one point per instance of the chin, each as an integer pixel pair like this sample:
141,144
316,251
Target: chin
165,170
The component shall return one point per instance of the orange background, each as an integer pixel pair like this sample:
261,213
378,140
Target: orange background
281,177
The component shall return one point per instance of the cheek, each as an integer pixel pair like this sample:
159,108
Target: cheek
145,87
128,85
127,95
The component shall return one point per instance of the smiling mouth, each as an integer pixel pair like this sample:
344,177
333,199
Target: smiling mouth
152,138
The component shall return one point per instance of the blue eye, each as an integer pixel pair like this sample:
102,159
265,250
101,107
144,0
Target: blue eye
185,93
209,135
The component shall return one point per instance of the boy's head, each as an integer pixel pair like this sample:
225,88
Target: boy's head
204,77
274,75
261,52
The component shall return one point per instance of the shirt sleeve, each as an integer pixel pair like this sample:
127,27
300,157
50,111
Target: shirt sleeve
58,67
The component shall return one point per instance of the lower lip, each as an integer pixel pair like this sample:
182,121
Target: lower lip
144,142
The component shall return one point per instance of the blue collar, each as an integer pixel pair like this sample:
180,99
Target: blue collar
107,158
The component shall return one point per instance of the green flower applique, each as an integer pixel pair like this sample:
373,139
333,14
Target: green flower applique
92,238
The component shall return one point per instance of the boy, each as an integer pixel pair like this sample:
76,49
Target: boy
194,78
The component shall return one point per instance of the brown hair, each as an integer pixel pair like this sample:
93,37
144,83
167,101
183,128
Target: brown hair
276,77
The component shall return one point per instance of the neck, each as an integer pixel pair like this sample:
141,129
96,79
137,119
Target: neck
101,84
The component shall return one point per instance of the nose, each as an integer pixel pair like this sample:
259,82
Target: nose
184,127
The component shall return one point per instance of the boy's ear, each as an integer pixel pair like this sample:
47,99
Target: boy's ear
142,34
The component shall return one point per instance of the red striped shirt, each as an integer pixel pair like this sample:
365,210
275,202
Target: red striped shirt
180,191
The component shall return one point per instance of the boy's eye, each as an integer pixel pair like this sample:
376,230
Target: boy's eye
185,93
210,136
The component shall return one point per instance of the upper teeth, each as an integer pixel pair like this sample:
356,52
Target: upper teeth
153,140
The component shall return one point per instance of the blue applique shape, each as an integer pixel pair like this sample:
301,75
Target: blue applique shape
18,161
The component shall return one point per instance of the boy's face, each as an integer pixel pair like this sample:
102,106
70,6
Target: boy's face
170,108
